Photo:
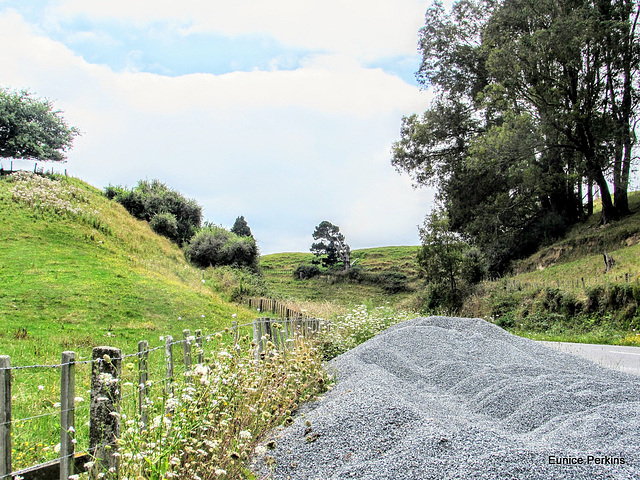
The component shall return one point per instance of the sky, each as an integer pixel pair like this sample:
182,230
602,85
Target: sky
283,111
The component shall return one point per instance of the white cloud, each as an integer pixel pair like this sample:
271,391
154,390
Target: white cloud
287,149
367,29
326,83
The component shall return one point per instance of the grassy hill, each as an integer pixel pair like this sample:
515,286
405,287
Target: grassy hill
78,271
560,293
278,270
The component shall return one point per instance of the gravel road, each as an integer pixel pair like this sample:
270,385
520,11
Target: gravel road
454,398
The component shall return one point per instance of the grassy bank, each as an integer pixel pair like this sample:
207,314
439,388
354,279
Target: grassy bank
77,271
563,292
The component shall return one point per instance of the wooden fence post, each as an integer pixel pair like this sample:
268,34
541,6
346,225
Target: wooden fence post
168,358
257,336
67,414
186,350
104,427
234,328
200,347
143,376
5,415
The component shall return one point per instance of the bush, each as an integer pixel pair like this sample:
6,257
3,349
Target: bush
393,282
215,246
304,272
165,224
237,283
151,198
440,298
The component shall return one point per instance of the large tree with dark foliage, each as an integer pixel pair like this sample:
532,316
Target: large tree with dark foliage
332,244
534,100
30,128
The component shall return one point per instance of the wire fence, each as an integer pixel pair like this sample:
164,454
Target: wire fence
576,283
88,432
98,364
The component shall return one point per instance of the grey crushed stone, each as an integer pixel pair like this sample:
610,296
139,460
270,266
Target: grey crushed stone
459,398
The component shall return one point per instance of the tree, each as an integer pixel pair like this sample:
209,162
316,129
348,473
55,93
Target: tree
534,99
576,63
241,227
332,244
449,263
30,128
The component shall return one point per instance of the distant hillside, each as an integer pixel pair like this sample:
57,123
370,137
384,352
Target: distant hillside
383,262
77,271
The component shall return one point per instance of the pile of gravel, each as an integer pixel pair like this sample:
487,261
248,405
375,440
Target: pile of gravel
441,397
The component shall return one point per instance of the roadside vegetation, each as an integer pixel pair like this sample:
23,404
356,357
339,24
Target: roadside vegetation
79,271
563,293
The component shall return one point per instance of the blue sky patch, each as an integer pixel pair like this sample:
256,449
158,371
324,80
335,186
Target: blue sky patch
160,47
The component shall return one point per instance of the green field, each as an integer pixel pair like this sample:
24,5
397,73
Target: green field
278,272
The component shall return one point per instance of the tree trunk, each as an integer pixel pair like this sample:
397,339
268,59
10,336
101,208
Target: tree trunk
609,211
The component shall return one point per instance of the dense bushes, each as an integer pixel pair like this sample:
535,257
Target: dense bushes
304,272
215,246
390,282
172,215
179,219
165,224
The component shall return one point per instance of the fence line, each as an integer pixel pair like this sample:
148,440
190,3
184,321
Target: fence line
101,359
281,331
106,395
581,282
275,306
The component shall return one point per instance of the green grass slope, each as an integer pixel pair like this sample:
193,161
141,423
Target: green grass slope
562,292
278,274
77,271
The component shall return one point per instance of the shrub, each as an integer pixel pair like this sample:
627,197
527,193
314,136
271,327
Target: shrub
304,272
165,224
215,246
237,283
393,282
151,198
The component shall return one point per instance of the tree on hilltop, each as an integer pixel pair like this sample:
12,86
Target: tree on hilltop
30,128
332,244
